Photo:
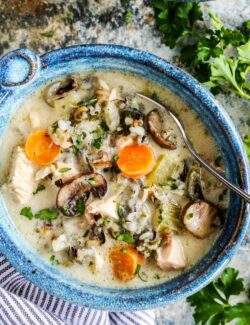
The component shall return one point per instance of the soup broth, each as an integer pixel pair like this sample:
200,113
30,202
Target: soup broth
100,183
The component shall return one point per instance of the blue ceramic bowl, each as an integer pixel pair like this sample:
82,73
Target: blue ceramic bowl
22,72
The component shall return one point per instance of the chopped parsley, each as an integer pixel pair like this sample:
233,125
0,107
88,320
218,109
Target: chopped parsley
105,221
247,145
104,126
26,212
75,150
126,237
54,126
44,214
53,260
39,188
128,16
80,206
79,140
123,249
173,186
141,275
100,133
86,233
48,34
156,276
116,158
64,169
70,16
121,212
91,181
87,102
190,215
97,143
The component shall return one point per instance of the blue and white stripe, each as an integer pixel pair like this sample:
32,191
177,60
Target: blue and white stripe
22,303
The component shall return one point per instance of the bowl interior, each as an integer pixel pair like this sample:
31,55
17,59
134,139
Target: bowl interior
90,58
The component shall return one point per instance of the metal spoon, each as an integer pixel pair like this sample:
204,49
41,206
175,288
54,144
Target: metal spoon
189,145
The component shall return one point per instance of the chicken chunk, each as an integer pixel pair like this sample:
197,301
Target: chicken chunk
105,207
200,218
60,243
21,179
171,255
90,256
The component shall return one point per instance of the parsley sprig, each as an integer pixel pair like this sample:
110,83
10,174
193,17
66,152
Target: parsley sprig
212,304
44,214
216,55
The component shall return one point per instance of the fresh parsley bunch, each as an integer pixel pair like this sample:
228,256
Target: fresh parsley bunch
176,20
217,56
212,304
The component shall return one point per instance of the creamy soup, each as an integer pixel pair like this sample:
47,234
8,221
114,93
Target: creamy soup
100,183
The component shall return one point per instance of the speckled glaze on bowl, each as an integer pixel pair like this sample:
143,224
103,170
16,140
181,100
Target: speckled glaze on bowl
22,72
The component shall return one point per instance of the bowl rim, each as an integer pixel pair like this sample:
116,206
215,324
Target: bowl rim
137,301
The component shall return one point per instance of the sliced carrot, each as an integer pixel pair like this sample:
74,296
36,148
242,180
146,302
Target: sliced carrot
40,149
136,161
125,259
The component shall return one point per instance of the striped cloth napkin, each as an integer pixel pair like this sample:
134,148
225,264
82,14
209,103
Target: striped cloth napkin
22,303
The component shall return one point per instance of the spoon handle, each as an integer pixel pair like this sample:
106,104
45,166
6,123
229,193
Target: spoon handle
205,164
221,178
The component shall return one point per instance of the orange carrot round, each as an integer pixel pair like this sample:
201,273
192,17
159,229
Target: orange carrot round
136,161
125,259
40,149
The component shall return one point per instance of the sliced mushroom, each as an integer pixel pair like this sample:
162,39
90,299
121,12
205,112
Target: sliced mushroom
201,218
170,256
59,89
193,184
155,125
77,191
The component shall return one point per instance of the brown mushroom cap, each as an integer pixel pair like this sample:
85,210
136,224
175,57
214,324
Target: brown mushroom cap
79,188
155,126
59,89
201,218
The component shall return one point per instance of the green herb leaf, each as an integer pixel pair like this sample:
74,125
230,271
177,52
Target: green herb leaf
75,150
53,260
247,145
70,16
91,181
142,276
105,221
46,214
26,212
80,206
176,20
88,101
128,16
121,212
190,215
126,237
123,249
203,49
48,34
39,188
64,169
212,305
97,143
157,277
